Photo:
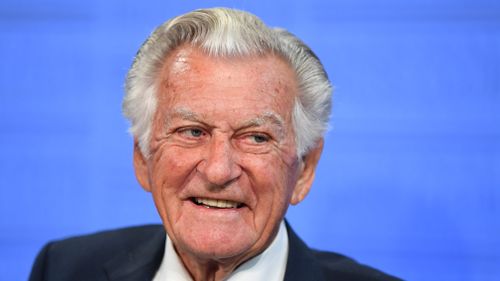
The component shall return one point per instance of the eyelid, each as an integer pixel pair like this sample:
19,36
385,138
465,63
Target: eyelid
183,130
267,136
260,135
246,142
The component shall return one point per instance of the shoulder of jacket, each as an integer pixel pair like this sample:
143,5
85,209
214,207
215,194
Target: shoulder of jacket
337,266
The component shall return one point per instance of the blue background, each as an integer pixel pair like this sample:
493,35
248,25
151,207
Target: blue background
410,178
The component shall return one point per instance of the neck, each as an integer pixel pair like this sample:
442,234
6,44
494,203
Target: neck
208,270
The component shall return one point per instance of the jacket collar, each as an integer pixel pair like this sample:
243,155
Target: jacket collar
140,261
301,264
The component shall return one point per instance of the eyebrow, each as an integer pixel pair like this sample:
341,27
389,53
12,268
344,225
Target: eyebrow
181,113
270,117
266,117
185,114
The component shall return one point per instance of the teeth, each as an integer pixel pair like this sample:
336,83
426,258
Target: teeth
216,203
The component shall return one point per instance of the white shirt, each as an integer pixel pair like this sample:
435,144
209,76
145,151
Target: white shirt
269,265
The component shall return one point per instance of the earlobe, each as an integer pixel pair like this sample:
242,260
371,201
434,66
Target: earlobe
141,167
307,173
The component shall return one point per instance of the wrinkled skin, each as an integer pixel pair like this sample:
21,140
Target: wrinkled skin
223,130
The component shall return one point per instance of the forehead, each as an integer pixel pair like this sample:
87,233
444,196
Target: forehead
190,78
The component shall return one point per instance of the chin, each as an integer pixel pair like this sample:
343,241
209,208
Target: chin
214,245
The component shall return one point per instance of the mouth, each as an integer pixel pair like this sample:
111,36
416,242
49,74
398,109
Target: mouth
215,203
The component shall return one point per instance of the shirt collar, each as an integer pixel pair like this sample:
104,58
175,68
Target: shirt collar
268,265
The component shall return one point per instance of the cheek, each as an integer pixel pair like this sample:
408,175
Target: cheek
173,169
272,179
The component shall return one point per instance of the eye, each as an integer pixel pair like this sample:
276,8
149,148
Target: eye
255,139
255,142
259,138
192,132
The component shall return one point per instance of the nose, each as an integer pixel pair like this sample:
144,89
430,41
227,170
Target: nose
219,167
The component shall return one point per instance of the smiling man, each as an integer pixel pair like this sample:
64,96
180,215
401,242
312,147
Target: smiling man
228,118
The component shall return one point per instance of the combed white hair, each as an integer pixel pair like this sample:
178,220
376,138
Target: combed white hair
228,32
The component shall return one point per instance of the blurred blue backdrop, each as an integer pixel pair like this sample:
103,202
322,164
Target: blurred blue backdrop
410,178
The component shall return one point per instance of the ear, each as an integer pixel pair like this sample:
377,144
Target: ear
141,167
306,173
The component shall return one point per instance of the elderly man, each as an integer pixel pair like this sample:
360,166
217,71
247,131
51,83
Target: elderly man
227,117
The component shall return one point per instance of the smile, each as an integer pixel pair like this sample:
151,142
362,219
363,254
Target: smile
214,203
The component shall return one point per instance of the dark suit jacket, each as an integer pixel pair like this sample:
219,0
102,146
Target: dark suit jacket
135,254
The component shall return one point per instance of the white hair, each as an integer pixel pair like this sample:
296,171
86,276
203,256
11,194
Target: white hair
228,32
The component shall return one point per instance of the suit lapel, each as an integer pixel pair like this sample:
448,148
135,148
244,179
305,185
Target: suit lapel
301,264
140,262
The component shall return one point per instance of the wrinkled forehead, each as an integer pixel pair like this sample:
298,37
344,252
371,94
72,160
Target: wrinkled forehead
184,58
189,69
